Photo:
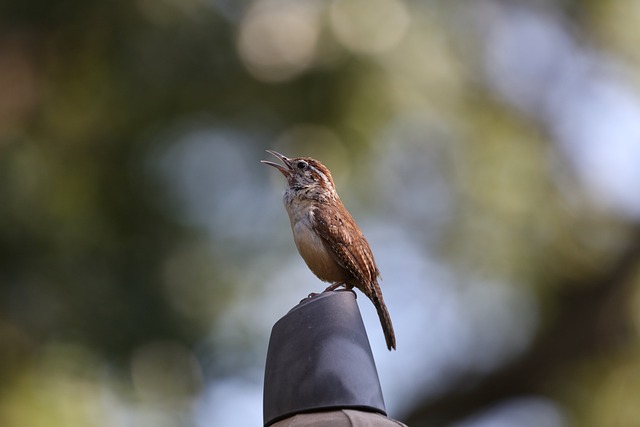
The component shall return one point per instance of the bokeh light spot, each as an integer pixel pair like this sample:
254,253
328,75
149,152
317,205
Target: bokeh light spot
369,26
277,41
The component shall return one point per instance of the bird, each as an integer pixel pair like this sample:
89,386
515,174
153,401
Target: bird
326,235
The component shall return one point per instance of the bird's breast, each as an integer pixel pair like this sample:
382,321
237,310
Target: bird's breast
314,252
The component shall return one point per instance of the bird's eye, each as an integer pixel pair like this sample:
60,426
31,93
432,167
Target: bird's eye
302,165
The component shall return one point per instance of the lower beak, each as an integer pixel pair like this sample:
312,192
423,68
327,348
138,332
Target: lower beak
286,171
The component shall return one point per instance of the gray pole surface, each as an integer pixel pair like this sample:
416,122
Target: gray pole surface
319,360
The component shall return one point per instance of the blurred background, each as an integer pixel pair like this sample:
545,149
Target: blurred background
490,151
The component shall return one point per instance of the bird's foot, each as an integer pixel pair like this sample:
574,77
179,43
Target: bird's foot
333,287
311,295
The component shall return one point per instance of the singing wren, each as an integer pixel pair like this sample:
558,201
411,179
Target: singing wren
326,235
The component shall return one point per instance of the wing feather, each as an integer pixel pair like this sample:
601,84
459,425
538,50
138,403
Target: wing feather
346,243
345,240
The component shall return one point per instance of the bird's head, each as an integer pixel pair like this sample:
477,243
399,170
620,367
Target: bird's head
303,173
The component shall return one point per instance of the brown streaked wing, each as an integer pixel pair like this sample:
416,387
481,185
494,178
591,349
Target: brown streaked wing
347,244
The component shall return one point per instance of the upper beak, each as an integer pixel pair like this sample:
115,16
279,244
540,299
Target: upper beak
286,171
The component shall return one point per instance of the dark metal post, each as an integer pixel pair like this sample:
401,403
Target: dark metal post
319,360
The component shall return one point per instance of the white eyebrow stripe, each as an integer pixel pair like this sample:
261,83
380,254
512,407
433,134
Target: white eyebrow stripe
324,177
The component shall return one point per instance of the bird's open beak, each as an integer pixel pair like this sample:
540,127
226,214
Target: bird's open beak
286,171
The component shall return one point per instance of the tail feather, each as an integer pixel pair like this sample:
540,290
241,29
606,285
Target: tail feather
383,314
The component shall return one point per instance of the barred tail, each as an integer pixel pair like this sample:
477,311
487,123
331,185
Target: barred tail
383,314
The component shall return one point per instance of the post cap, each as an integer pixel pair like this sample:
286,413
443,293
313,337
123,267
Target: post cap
319,359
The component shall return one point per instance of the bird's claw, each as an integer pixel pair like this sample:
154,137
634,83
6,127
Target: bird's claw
311,295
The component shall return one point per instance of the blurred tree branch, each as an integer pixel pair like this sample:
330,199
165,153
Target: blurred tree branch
588,323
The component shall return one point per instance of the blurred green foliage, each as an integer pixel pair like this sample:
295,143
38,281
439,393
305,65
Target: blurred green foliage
118,308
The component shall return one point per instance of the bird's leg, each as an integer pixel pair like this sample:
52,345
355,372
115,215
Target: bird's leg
331,288
335,286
